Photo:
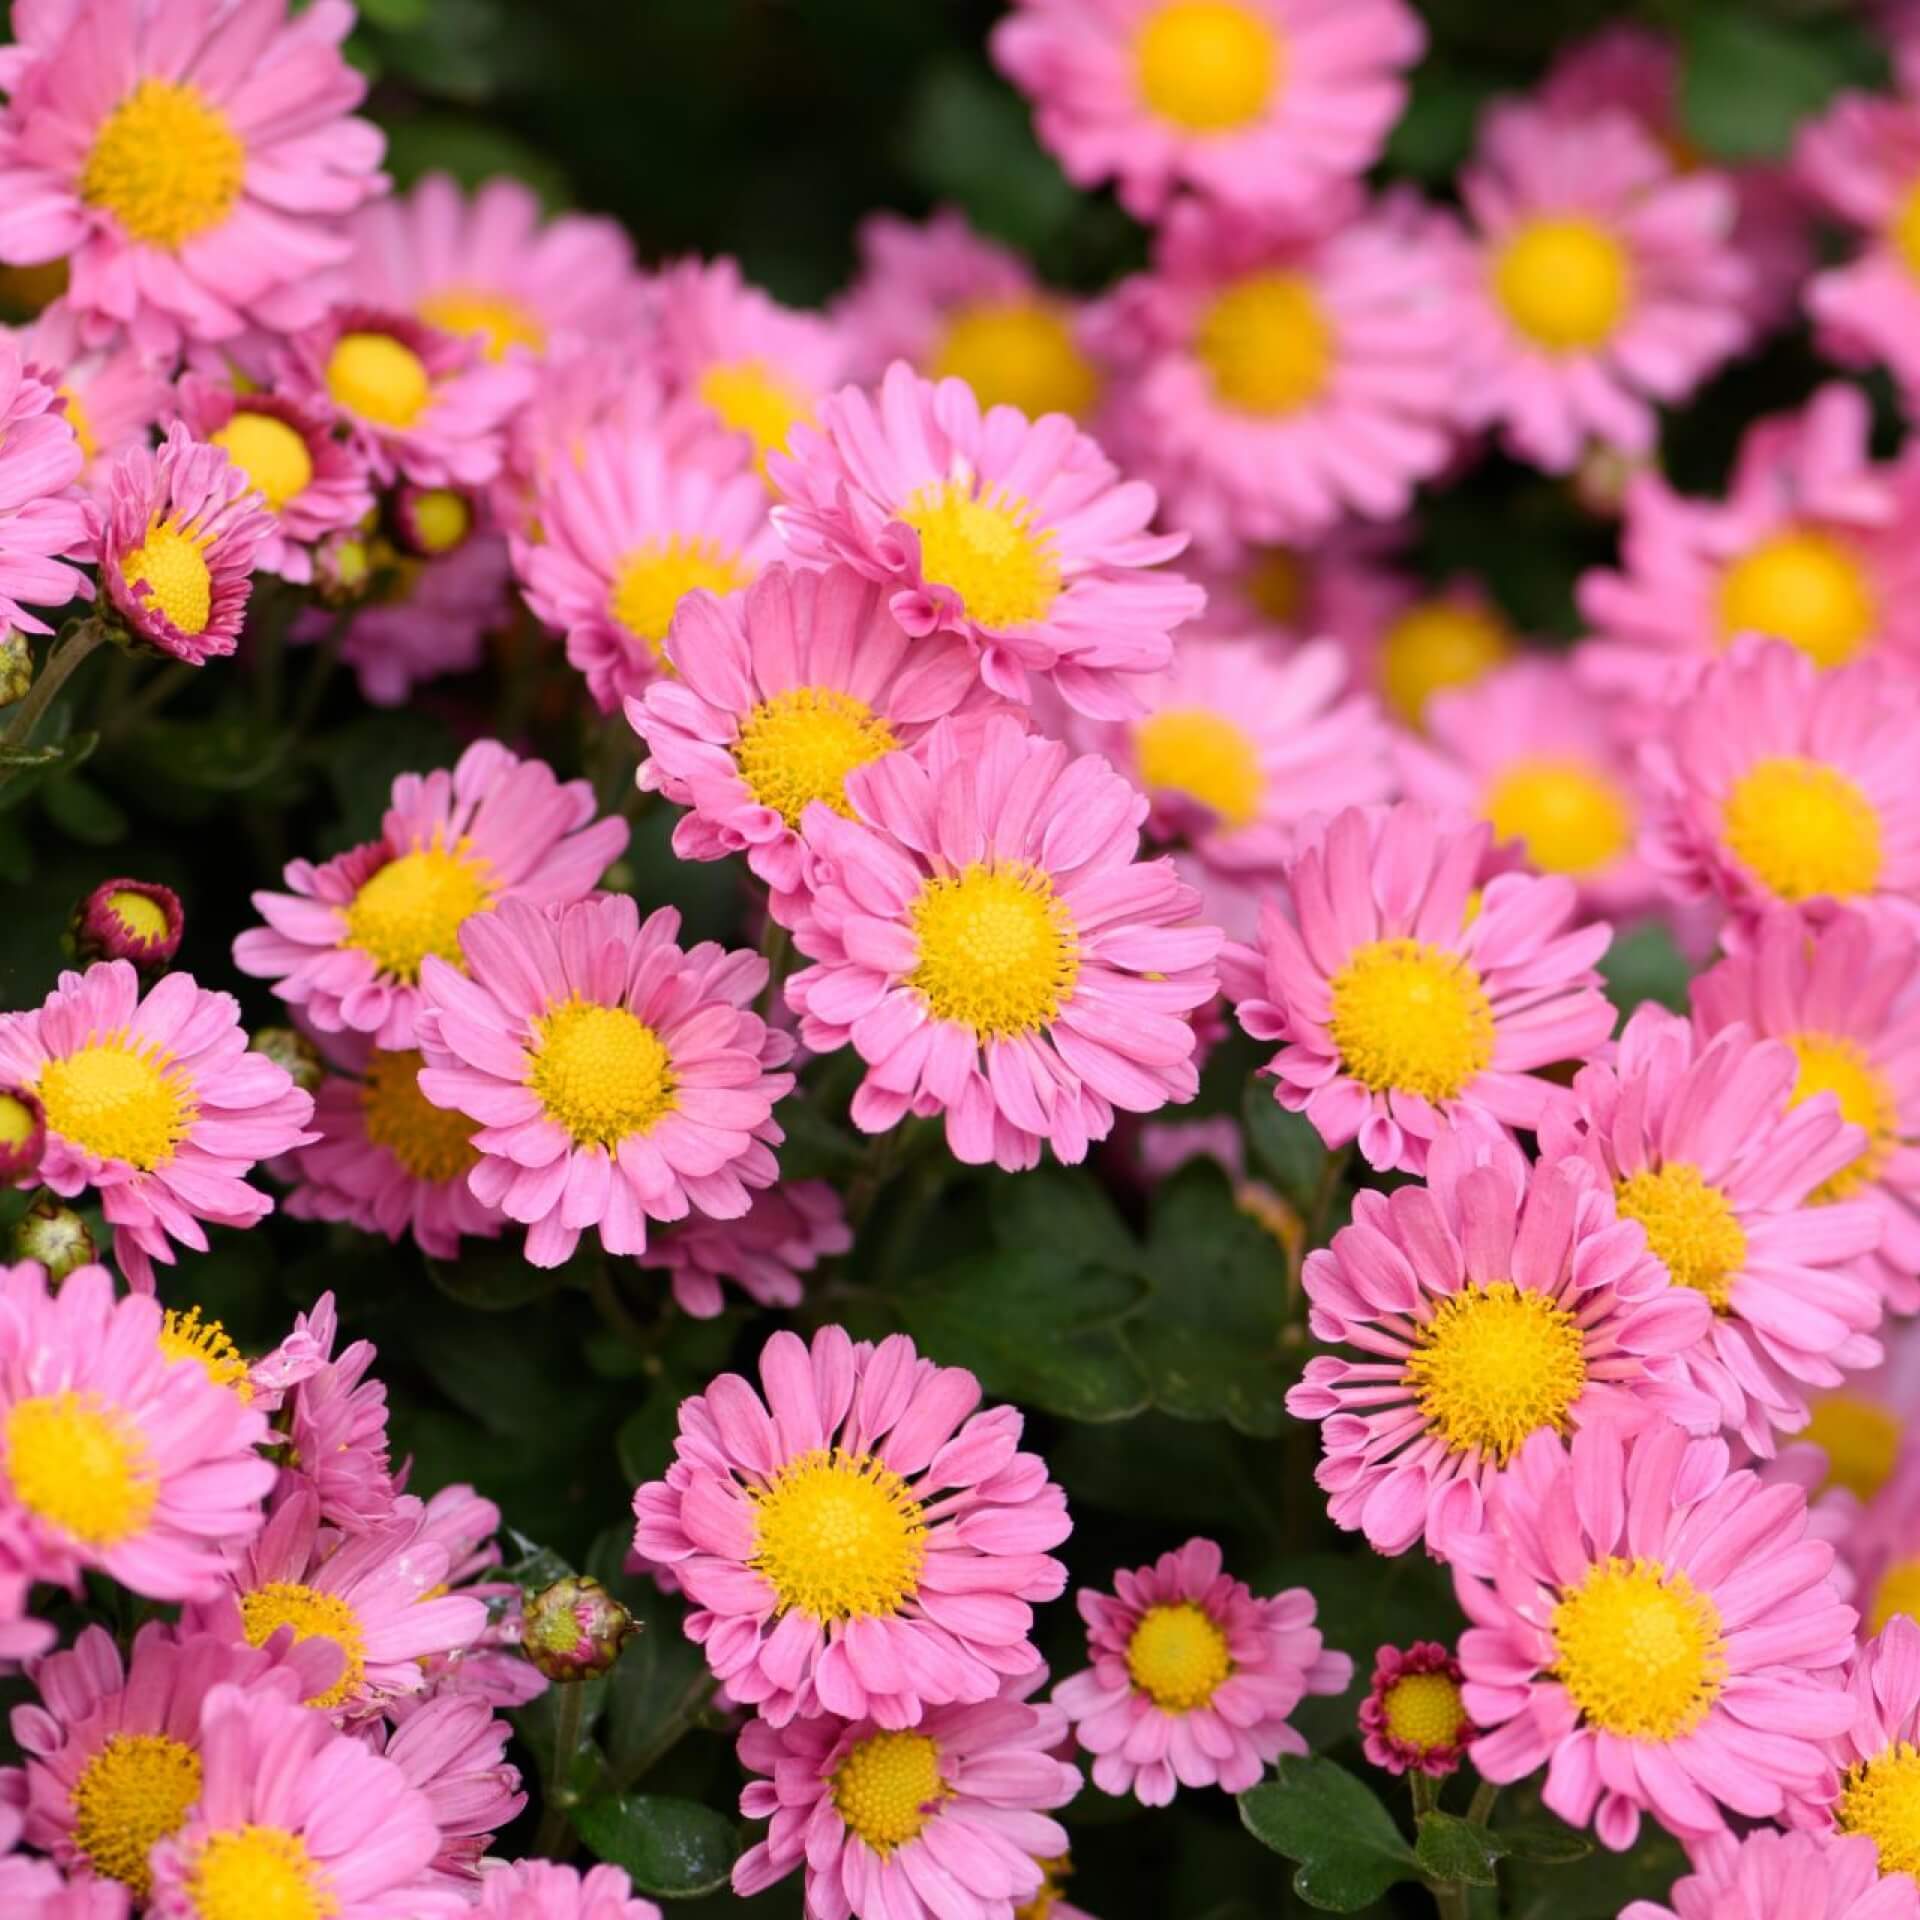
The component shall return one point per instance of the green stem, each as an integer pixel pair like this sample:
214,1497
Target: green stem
1480,1808
1426,1792
776,943
1450,1899
64,656
153,693
693,1703
570,1712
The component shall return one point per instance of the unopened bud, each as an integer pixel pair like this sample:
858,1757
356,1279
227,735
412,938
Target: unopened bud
287,1047
23,1135
16,666
55,1236
575,1628
430,521
135,920
343,569
1601,480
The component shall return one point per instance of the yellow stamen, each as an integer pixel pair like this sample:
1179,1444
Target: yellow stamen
998,951
655,577
1425,1711
439,519
142,916
839,1536
1178,1656
134,1791
416,905
1881,1798
79,420
1411,1016
166,164
1565,283
1053,1873
498,322
1804,587
1638,1648
888,1788
1831,1063
258,1873
1495,1365
1434,647
1206,756
984,547
270,453
119,1099
1691,1228
168,574
313,1615
1803,830
80,1465
751,398
376,377
185,1336
1906,230
432,1143
1267,343
1018,353
799,747
600,1073
1208,66
1860,1438
1571,819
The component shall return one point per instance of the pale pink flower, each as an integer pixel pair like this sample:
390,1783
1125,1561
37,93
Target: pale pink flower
42,519
337,1423
1783,1876
782,1237
1413,1717
1341,585
114,392
545,1890
1411,644
454,1750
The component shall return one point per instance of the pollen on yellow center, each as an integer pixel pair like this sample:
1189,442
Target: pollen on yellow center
432,1143
439,519
1898,1592
1178,1656
1881,1798
378,378
79,1464
1860,1438
1267,344
313,1615
1639,1650
1434,647
270,453
1053,1875
799,747
1570,818
1425,1711
749,397
998,950
1906,229
1564,283
1208,66
185,1336
1691,1228
1495,1364
653,578
258,1873
838,1535
498,322
1206,756
1831,1063
135,1790
888,1788
984,547
18,1121
168,574
1803,830
1804,587
416,905
140,914
80,421
600,1073
1018,353
166,164
1412,1017
119,1099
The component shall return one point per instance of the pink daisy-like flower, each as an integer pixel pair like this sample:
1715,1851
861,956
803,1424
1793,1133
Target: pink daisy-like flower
1775,784
947,1821
42,518
454,1750
985,938
116,1456
1275,378
1410,645
337,1423
489,267
1264,104
626,531
1783,1876
1496,1302
156,1103
784,1235
861,1543
1193,1677
114,393
346,946
1018,535
179,533
616,1077
1413,1717
773,697
1658,1631
1401,1006
544,1890
191,170
1606,284
491,1668
1705,1146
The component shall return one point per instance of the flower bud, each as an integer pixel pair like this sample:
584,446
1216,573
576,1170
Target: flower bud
55,1236
16,666
133,920
289,1048
1413,1715
23,1135
430,521
343,569
575,1628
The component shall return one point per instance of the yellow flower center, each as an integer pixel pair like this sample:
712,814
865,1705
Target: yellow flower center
178,582
1424,1711
1203,754
1860,1438
375,377
258,1873
166,165
750,398
432,1143
142,916
888,1788
1018,353
313,1615
838,1535
998,951
1881,1798
1806,588
600,1073
1054,1873
441,519
1831,1063
1803,829
185,1336
17,1121
985,549
1691,1228
80,1465
1564,283
1906,229
134,1791
1570,819
655,577
1411,1016
1178,1657
1434,647
416,905
499,323
1209,66
1496,1364
799,747
1267,344
1898,1592
79,420
1638,1649
119,1099
270,453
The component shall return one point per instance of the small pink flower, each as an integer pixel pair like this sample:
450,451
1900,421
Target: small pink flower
1784,1876
1193,1677
454,1750
783,1236
943,1528
491,1668
1625,1542
336,1422
125,919
42,518
1411,645
543,1890
114,392
1413,1716
1018,535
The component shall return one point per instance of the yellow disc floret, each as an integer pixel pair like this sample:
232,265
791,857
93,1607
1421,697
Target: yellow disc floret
1053,1875
439,519
1831,1063
496,321
80,421
1207,66
799,747
168,574
998,950
984,548
136,1789
1018,353
1267,344
258,1873
1425,1711
1495,1364
888,1788
1638,1648
119,1098
79,1464
1906,229
1881,1798
166,164
1434,647
1804,587
653,578
142,916
185,1336
750,398
379,378
1803,830
270,453
432,1143
838,1536
313,1615
1564,283
1412,1017
1691,1228
416,905
1570,818
1204,755
1178,1657
600,1073
1860,1438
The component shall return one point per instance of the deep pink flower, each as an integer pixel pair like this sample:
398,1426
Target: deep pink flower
1784,1876
544,1890
1413,1716
454,1750
336,1422
114,392
42,519
766,1253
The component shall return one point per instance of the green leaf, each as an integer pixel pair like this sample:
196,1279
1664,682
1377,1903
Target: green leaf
660,1682
1450,1848
644,1444
1348,1848
1286,1147
1435,133
1644,964
82,812
1749,82
492,1279
1546,1846
1060,1211
673,1849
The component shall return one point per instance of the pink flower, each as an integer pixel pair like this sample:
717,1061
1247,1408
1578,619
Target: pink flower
1606,285
1623,1543
984,937
869,1547
454,1750
1401,1008
192,170
1261,103
1193,1677
783,1236
1496,1302
42,519
346,946
337,1423
616,1077
542,1890
492,1667
1273,378
946,1822
1019,536
1411,646
1784,1876
117,1457
772,698
1413,1716
114,392
156,1103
